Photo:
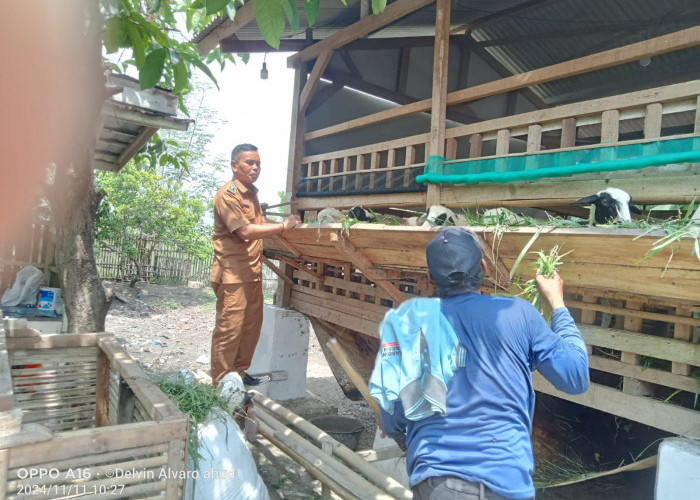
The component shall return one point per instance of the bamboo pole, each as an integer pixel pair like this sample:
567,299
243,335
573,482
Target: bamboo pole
340,474
387,483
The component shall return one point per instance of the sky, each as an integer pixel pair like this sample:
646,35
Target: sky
255,111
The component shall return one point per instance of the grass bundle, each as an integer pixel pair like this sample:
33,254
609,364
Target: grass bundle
196,400
547,264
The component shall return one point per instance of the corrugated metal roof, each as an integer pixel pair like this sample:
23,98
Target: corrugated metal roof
130,118
523,35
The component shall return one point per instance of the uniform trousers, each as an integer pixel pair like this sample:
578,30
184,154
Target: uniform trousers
239,315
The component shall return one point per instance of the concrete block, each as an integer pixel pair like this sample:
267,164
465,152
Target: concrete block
283,347
678,470
388,458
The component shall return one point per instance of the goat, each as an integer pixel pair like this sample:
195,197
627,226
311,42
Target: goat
360,214
330,215
611,204
437,215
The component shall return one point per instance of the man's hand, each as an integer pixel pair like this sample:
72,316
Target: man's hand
552,289
291,221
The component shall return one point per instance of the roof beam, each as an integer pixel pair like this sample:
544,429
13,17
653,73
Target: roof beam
629,53
244,15
319,67
235,45
369,24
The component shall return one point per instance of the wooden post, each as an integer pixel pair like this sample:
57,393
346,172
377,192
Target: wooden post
439,99
633,323
682,332
102,390
652,120
296,150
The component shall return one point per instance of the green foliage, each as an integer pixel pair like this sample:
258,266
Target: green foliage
162,53
197,401
139,201
546,265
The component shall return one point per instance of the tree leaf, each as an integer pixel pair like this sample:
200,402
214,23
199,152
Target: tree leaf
181,77
152,70
155,7
270,19
214,6
231,10
114,34
311,9
138,47
245,57
203,67
290,8
378,6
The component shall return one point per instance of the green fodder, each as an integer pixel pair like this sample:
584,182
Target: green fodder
197,401
547,264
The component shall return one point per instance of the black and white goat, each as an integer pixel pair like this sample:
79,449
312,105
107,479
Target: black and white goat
611,204
437,215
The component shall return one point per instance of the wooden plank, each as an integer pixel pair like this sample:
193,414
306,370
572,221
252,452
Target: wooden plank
227,28
684,333
176,463
633,323
664,416
439,91
312,82
373,166
354,306
390,164
157,404
133,148
652,120
54,341
648,48
277,270
568,132
102,391
651,186
393,11
610,126
638,314
368,269
641,373
296,147
300,303
534,138
640,343
101,440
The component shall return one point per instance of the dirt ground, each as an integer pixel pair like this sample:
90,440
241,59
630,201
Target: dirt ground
167,328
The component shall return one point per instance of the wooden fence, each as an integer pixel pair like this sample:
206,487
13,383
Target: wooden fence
159,262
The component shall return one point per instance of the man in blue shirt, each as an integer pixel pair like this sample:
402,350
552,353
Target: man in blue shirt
479,447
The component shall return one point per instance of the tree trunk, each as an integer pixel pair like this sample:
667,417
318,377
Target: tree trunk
73,198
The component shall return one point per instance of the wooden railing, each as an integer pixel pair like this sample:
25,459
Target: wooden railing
393,165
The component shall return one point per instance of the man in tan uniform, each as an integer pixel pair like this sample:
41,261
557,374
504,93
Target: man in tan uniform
236,276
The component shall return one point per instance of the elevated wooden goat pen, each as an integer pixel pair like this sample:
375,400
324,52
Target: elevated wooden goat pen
83,420
637,316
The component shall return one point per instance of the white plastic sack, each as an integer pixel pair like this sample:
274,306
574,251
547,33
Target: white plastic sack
23,293
226,469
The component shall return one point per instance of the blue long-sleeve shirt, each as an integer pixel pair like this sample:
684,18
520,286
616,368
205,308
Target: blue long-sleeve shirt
485,435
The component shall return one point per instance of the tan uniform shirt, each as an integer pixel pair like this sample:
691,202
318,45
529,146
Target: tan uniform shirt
236,260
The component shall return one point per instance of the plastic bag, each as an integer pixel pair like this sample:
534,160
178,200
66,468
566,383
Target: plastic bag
226,469
23,293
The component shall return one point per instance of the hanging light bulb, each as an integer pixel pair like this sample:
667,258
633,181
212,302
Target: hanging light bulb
263,71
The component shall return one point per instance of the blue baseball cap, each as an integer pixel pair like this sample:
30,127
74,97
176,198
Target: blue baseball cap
454,256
